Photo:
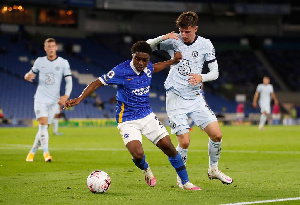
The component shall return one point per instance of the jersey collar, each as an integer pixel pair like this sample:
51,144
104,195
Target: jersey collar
188,44
135,70
53,59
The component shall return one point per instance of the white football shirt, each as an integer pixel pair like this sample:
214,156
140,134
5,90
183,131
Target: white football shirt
265,92
50,77
193,57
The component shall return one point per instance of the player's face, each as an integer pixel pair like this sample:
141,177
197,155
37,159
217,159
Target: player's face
188,34
266,80
140,60
51,49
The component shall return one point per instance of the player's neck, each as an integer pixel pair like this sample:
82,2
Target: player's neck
52,58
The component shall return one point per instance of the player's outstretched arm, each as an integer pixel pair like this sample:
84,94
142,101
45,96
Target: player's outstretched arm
155,41
85,93
162,65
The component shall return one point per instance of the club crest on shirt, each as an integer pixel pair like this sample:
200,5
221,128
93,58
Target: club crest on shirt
184,69
57,68
195,54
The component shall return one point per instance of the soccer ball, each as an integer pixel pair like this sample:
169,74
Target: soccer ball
98,182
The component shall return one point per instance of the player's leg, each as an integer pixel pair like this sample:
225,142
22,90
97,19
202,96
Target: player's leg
44,138
154,130
175,159
55,121
214,151
132,138
262,120
35,146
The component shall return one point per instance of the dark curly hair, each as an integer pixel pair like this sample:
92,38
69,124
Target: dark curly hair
141,46
187,19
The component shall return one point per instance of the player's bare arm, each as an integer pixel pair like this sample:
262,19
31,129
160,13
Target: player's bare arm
86,92
195,79
254,104
29,76
162,65
274,98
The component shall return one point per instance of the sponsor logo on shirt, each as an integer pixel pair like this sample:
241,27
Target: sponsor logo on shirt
141,91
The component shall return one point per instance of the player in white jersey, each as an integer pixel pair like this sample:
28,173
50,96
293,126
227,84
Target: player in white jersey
183,86
264,92
51,70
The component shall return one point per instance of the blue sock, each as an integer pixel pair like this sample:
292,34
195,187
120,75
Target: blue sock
142,164
177,163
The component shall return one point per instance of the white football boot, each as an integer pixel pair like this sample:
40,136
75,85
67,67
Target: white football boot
190,186
149,177
215,173
179,184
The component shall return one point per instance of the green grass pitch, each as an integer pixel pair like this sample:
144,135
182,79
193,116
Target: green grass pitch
264,165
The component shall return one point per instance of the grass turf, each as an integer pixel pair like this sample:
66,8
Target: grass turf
264,165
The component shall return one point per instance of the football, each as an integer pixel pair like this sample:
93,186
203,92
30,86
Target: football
98,182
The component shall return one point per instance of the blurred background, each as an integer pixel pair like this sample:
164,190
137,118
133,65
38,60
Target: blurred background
252,39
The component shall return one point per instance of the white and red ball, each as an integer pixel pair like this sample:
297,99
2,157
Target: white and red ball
98,182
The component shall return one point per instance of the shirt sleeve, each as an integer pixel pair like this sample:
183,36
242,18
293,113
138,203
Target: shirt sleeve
113,77
210,55
35,67
67,69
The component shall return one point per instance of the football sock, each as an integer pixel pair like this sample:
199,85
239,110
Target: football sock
141,164
55,125
44,137
214,151
183,153
263,119
36,143
178,164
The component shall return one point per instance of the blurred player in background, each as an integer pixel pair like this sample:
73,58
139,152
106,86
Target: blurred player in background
51,70
134,115
264,92
183,84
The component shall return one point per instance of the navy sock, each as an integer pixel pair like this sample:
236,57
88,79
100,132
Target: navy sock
142,164
177,163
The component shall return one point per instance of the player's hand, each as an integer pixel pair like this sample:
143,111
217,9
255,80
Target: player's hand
29,77
63,99
72,103
254,104
195,79
177,57
170,35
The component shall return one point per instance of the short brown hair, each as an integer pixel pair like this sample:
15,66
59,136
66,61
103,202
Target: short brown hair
48,40
187,19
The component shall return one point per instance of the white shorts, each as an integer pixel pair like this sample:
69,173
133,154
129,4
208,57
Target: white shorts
45,110
149,126
179,109
265,108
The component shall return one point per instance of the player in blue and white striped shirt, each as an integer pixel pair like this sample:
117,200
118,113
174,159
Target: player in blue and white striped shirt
183,86
133,113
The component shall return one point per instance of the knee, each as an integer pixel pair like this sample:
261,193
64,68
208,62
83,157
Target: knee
217,137
138,156
185,143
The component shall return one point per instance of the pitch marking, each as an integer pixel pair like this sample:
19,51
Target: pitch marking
265,201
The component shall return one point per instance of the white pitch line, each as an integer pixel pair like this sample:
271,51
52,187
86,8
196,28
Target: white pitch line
265,201
22,146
